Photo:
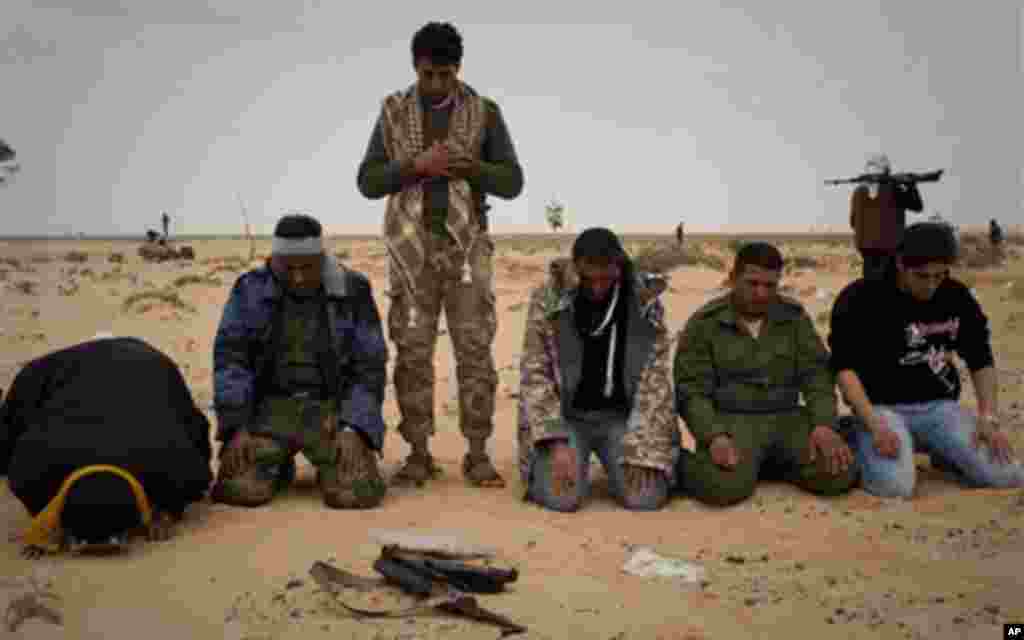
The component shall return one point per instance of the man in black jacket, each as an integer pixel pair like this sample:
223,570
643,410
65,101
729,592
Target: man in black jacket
101,438
892,345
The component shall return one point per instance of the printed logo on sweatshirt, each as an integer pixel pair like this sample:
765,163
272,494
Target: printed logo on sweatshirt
918,332
937,357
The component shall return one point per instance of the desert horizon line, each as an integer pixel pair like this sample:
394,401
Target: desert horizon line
496,233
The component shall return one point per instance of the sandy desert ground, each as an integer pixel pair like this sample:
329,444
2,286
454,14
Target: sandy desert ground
948,564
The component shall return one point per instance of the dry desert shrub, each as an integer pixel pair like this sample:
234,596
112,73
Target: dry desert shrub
206,279
117,258
736,244
667,258
1017,291
76,256
979,257
700,255
225,268
116,274
14,263
533,246
26,287
655,259
227,264
41,259
225,260
68,288
165,296
803,261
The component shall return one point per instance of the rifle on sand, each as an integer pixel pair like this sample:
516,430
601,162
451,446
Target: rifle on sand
890,178
437,583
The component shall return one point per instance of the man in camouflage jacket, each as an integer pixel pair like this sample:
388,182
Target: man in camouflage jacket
742,362
595,378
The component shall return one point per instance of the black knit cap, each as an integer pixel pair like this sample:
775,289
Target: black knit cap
297,226
98,506
926,242
598,243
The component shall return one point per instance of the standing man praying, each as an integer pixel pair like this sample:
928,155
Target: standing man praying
437,151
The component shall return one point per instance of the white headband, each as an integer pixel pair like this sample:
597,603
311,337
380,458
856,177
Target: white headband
310,246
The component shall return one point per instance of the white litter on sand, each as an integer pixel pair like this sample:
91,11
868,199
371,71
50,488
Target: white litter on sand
645,563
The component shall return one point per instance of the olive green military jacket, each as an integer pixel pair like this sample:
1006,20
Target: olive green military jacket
721,368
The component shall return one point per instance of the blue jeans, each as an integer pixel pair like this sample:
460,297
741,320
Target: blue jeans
941,429
605,440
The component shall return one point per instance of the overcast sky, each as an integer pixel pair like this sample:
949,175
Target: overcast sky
636,115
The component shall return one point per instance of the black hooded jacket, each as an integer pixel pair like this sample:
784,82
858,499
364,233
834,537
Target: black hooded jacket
114,401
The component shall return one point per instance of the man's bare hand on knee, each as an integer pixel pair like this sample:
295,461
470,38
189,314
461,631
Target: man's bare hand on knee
988,433
563,468
239,454
640,480
161,527
724,453
829,446
887,443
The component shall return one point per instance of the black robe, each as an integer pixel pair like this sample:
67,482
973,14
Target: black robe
114,401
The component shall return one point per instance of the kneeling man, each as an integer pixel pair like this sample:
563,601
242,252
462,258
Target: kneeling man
595,380
893,343
300,364
100,439
742,363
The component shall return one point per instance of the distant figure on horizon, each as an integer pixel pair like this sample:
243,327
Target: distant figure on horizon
878,215
679,234
166,221
437,151
996,237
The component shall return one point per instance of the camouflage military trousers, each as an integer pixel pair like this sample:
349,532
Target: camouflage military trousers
285,426
771,447
466,296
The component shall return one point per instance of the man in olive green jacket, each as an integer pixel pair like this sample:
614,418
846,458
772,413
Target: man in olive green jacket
742,363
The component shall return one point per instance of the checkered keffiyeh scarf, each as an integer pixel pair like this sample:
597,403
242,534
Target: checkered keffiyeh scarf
402,128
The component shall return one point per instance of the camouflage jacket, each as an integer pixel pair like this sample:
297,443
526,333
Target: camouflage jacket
720,368
549,372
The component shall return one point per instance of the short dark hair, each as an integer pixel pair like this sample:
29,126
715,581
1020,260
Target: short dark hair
99,506
439,42
760,254
298,225
598,244
927,242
